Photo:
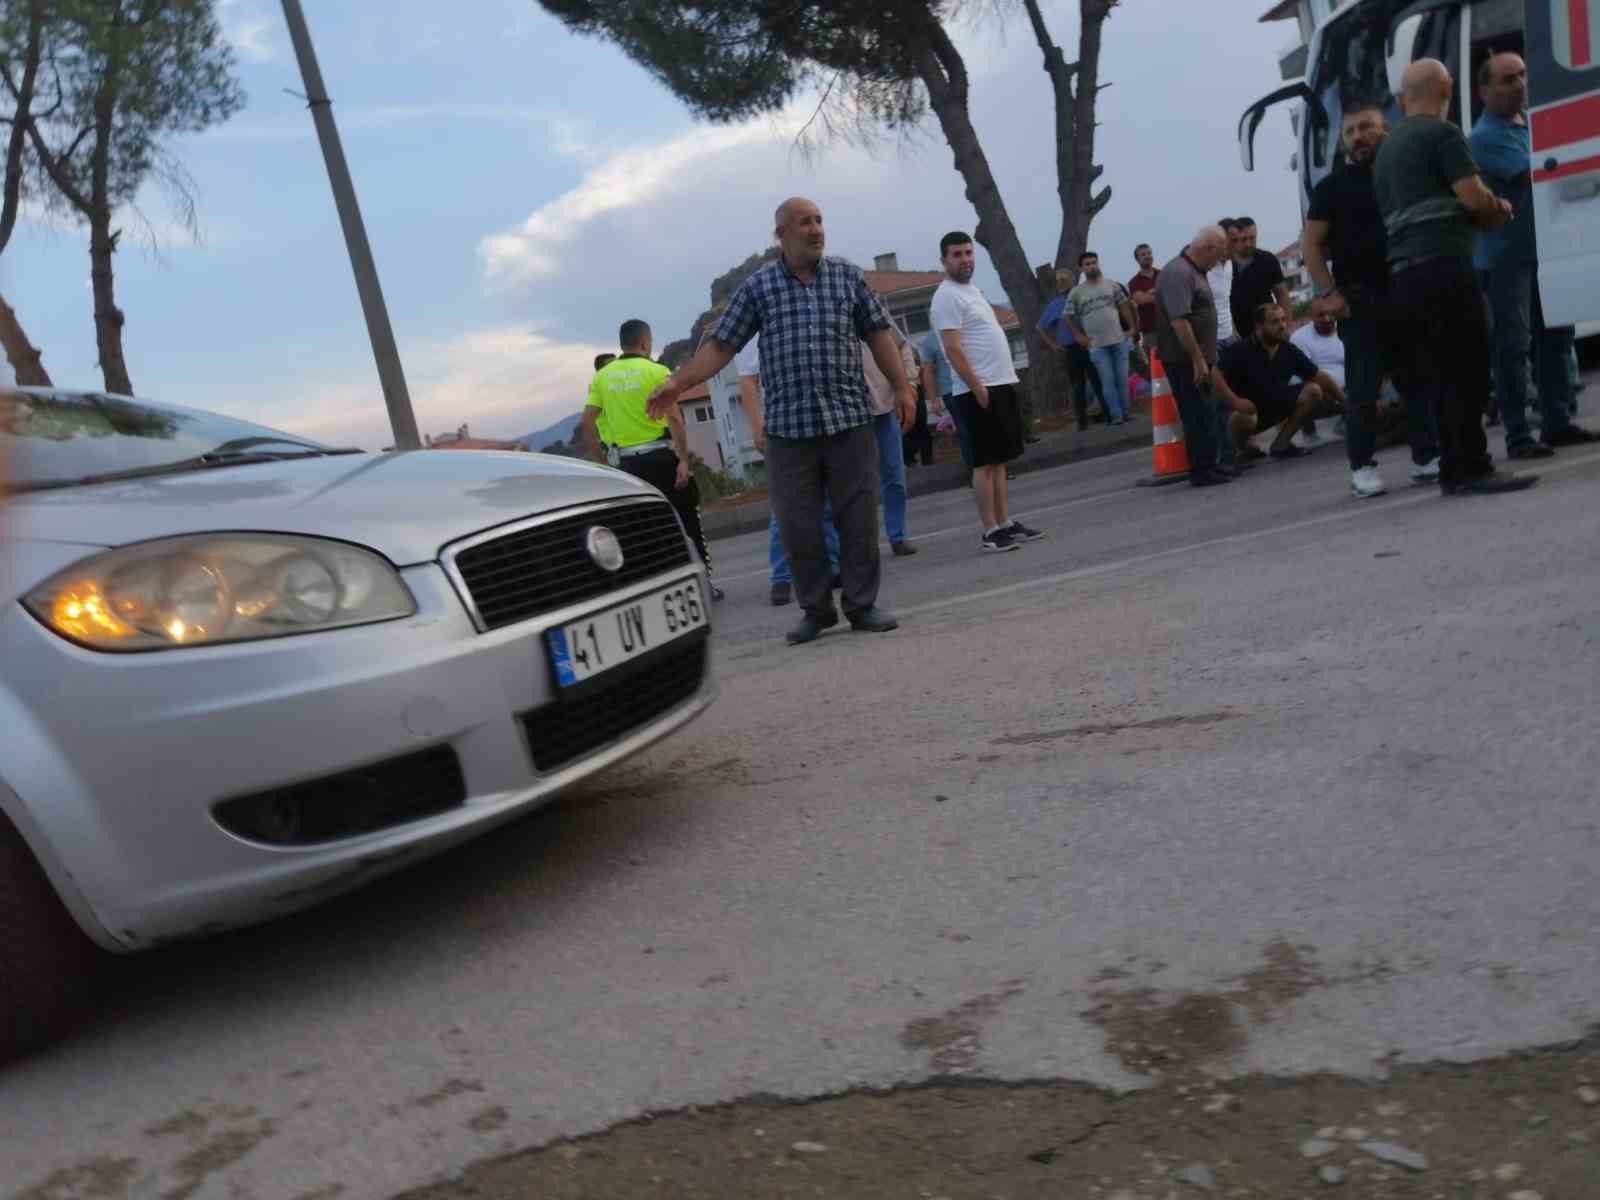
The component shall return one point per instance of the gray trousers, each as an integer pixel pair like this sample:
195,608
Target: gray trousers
843,466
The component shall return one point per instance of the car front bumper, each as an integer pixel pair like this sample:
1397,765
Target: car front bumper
121,760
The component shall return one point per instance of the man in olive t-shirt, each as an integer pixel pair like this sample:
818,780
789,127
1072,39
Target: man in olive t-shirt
1433,203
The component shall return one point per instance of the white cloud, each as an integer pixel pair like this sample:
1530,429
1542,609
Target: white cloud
567,134
247,28
631,178
503,381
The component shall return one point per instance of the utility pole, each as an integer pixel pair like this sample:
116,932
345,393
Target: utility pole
391,375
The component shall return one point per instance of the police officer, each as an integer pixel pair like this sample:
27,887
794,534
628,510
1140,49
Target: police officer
654,451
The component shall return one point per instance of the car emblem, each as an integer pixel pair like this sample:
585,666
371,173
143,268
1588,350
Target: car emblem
604,548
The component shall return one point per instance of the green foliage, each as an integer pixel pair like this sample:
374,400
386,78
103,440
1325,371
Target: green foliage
125,76
714,485
730,59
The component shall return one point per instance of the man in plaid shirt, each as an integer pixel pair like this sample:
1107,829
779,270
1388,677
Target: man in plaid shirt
813,313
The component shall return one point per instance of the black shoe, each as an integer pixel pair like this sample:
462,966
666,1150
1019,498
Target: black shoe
1030,439
1492,484
716,593
1231,470
902,549
1210,477
1572,435
1251,453
1022,533
810,628
1527,450
1287,450
782,593
874,620
998,542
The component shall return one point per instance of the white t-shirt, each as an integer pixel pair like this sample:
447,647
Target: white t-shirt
961,306
1326,351
748,361
1220,277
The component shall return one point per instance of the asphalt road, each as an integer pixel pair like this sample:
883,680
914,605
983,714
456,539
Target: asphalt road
1334,759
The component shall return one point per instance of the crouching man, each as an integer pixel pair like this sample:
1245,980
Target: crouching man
1266,381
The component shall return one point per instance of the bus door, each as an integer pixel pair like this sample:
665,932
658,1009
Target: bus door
1563,56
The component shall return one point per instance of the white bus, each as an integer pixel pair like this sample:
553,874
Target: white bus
1358,52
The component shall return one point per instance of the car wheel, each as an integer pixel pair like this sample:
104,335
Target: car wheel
47,965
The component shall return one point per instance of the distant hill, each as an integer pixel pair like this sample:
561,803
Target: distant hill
561,431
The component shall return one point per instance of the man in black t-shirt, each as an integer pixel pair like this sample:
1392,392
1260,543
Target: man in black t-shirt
1257,276
1345,223
1267,380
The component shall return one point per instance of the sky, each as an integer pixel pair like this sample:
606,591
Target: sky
526,190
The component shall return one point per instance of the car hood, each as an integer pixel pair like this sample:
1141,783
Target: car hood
406,506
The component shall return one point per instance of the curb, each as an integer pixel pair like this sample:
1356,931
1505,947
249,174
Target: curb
1050,452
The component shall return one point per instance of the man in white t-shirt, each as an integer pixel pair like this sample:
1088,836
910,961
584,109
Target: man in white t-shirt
985,386
1320,342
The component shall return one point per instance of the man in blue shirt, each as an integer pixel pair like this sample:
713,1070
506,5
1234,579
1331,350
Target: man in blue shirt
813,312
1055,327
1508,260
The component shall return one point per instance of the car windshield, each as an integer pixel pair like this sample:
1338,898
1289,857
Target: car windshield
1352,68
56,439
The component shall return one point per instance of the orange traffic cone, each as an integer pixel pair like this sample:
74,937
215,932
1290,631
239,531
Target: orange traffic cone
1171,459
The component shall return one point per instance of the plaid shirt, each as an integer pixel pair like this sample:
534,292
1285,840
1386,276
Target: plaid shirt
811,335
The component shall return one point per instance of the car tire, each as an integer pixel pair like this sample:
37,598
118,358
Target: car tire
47,965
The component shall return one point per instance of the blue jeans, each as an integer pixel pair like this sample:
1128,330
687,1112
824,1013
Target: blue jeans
1513,293
1111,364
778,562
891,474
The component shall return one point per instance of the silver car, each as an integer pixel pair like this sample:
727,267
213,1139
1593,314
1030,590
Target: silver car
241,672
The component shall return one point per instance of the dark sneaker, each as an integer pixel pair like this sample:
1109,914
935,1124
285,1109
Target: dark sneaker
1251,453
874,620
1572,435
1527,450
1208,478
717,593
1493,484
1288,450
810,628
998,542
902,549
1231,470
782,593
1022,533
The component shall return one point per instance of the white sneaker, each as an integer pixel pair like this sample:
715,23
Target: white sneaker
1425,474
1309,441
1365,483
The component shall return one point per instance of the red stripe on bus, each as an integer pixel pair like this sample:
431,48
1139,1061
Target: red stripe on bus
1563,124
1578,33
1576,167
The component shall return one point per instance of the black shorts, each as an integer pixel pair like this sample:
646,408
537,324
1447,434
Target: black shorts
994,433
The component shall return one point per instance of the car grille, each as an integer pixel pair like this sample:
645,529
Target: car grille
615,704
545,567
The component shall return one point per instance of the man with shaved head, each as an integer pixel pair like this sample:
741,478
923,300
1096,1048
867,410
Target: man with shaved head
1434,203
1186,339
1508,259
813,312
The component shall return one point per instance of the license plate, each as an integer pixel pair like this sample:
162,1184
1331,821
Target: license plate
601,641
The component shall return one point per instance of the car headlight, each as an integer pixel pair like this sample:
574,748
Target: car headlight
234,587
